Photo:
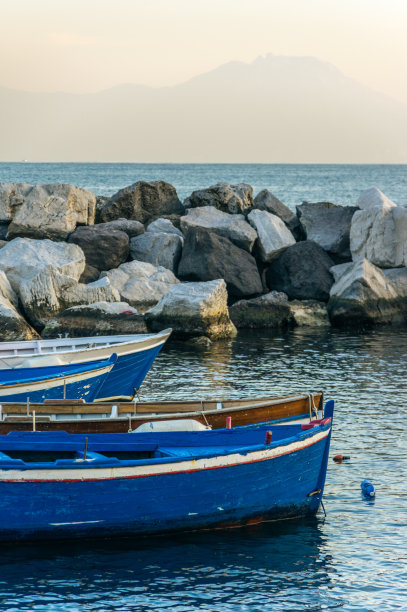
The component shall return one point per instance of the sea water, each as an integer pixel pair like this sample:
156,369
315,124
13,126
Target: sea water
355,558
291,183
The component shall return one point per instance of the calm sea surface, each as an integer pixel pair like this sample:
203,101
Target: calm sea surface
293,184
356,557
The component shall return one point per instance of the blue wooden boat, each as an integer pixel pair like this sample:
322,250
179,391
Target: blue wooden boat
60,485
135,356
52,382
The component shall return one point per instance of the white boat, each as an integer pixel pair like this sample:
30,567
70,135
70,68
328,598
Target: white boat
135,356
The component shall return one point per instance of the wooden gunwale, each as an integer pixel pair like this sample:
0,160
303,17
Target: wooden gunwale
130,415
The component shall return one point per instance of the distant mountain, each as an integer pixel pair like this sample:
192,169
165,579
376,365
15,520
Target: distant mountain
276,109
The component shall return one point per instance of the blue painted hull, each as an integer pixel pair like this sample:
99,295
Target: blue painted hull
78,381
262,486
127,375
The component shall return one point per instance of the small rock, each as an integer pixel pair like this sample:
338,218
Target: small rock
233,227
12,325
329,226
128,226
265,200
141,284
158,249
270,310
143,202
104,248
194,309
274,236
207,256
165,226
89,275
302,272
52,211
309,313
223,196
98,319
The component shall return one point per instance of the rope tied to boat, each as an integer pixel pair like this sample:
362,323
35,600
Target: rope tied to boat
311,405
204,415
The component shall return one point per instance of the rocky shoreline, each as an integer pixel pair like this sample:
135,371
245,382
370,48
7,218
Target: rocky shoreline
75,264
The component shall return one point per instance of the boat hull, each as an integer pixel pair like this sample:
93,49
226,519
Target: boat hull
76,382
230,490
119,418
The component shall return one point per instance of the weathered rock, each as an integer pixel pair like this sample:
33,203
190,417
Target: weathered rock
50,292
143,202
302,272
274,235
364,294
207,256
129,226
7,291
328,225
165,226
101,201
158,249
309,313
141,284
224,196
265,200
89,275
52,211
379,234
233,227
12,325
98,319
24,258
270,310
3,230
370,198
193,309
104,248
12,196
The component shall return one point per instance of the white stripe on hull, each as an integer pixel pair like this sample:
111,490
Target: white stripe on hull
15,389
191,465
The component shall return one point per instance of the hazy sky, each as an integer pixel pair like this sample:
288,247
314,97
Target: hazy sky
89,45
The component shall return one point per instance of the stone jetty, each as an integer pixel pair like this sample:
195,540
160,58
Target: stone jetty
77,264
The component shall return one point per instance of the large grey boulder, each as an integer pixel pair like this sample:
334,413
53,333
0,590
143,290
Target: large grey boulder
12,325
265,200
104,248
207,256
328,225
141,284
193,309
302,272
233,227
143,202
158,249
223,196
24,258
52,211
7,291
373,197
267,311
129,226
365,294
379,234
165,226
12,196
274,235
98,319
50,292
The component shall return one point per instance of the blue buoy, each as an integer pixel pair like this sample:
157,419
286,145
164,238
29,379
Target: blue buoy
367,488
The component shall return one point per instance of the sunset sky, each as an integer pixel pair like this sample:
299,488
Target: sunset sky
83,46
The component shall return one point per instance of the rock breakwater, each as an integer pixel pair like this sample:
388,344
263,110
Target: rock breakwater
79,264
